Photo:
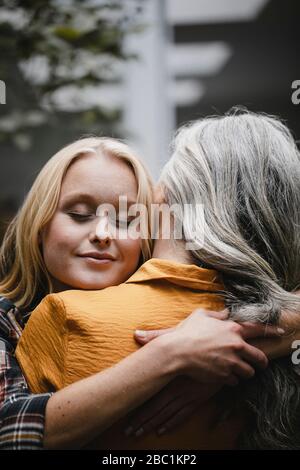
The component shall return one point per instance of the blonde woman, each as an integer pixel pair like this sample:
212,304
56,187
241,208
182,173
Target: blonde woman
54,244
234,166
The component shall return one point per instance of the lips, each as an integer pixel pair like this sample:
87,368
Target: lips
98,256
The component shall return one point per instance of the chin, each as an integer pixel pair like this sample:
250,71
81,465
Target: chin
94,284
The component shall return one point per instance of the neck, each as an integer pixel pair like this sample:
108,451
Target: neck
58,286
167,249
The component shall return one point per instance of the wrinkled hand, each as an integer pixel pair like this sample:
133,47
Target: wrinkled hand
172,406
210,350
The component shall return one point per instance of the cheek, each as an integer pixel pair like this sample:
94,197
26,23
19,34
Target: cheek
131,251
59,238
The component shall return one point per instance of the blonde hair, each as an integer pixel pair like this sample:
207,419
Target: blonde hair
23,274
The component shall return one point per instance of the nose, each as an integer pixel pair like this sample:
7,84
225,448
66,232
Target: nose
100,233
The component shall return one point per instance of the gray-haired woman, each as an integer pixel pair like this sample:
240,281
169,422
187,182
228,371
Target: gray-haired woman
244,168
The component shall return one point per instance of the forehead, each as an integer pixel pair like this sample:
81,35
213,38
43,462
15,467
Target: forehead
103,177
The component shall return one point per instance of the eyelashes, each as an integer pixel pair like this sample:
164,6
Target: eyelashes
81,217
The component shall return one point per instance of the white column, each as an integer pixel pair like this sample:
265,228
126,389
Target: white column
149,117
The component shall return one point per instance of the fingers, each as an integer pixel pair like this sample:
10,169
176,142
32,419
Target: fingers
244,370
143,424
254,356
177,419
166,420
145,336
254,330
222,315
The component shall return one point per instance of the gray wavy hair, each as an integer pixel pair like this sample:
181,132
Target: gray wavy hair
245,170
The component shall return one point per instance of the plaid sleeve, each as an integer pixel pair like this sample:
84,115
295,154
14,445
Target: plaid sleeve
22,414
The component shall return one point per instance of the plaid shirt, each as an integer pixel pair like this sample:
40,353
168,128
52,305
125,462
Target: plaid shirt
22,414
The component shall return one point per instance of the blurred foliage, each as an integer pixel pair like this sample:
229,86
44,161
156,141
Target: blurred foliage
54,55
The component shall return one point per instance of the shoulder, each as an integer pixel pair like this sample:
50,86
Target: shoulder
75,301
50,312
45,332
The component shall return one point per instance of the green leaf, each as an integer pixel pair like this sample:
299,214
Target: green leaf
67,33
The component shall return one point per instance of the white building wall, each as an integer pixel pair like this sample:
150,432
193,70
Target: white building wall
149,115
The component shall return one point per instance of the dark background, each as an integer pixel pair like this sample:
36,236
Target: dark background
265,62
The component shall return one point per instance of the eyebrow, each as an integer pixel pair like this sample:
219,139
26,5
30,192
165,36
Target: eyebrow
86,197
72,197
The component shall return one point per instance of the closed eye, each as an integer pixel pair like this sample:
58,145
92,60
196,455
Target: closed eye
80,217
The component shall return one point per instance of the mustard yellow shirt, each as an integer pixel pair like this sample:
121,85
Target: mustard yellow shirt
74,334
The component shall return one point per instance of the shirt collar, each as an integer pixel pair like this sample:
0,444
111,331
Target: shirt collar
186,275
